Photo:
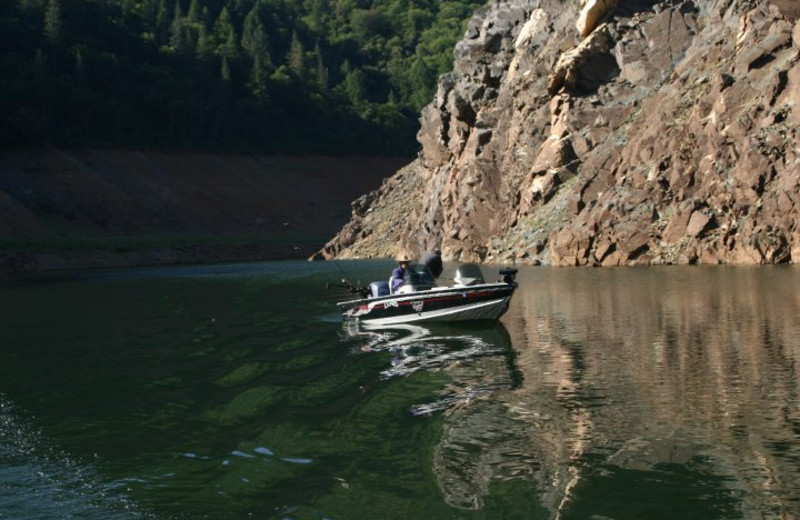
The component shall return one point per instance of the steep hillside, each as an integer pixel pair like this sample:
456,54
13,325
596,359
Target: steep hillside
604,133
62,209
257,76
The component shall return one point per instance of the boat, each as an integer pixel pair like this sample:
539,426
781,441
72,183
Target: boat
420,299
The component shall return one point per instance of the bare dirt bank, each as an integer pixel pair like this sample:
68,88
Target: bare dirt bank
81,209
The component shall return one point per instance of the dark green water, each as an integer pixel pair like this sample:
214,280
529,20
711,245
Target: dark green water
234,392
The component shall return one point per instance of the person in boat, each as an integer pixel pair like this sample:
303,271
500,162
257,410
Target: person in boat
433,260
398,274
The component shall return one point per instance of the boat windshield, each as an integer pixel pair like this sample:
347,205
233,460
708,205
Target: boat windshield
418,277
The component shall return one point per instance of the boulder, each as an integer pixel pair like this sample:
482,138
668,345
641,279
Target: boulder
698,223
585,67
592,13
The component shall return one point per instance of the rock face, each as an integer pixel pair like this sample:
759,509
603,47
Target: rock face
666,133
592,13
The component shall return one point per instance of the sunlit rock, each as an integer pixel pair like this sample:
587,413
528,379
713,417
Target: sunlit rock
592,13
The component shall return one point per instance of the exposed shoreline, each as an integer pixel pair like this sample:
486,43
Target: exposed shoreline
67,209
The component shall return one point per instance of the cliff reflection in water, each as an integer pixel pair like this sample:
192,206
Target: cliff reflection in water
653,390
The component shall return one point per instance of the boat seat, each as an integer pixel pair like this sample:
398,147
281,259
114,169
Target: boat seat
377,289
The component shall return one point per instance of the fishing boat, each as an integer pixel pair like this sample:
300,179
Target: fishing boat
420,299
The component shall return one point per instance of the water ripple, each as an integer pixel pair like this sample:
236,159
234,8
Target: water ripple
39,479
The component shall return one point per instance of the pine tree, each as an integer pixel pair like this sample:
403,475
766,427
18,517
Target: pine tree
52,22
204,49
355,86
254,35
231,47
256,43
178,37
322,70
150,12
162,21
26,5
194,14
296,58
225,70
317,17
223,36
258,78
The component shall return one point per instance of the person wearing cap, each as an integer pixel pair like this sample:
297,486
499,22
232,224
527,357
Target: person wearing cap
397,275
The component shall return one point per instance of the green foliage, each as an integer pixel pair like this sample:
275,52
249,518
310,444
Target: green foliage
52,21
291,76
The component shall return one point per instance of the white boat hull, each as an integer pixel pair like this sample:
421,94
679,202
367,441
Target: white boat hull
478,302
490,310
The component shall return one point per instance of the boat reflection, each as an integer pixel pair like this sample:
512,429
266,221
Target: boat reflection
482,441
477,357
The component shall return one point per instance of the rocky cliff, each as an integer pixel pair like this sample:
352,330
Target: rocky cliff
604,132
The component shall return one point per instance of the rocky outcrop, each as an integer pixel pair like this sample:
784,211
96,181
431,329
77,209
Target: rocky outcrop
592,14
655,133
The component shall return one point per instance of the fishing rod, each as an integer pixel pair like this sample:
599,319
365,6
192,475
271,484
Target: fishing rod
347,284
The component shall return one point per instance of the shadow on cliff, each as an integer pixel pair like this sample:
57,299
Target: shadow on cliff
600,67
632,7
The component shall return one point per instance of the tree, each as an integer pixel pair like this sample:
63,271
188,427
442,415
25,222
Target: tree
205,48
223,35
150,11
317,17
162,20
225,70
27,5
194,14
355,86
334,59
231,47
259,78
254,38
178,37
296,59
369,23
321,69
52,22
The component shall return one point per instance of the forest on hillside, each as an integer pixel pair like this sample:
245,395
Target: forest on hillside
268,76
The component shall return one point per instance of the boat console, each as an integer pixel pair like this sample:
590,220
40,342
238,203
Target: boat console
468,274
417,278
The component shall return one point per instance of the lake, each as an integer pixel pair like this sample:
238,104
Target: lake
235,392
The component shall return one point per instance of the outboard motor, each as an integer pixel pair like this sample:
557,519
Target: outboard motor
509,274
468,274
433,261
